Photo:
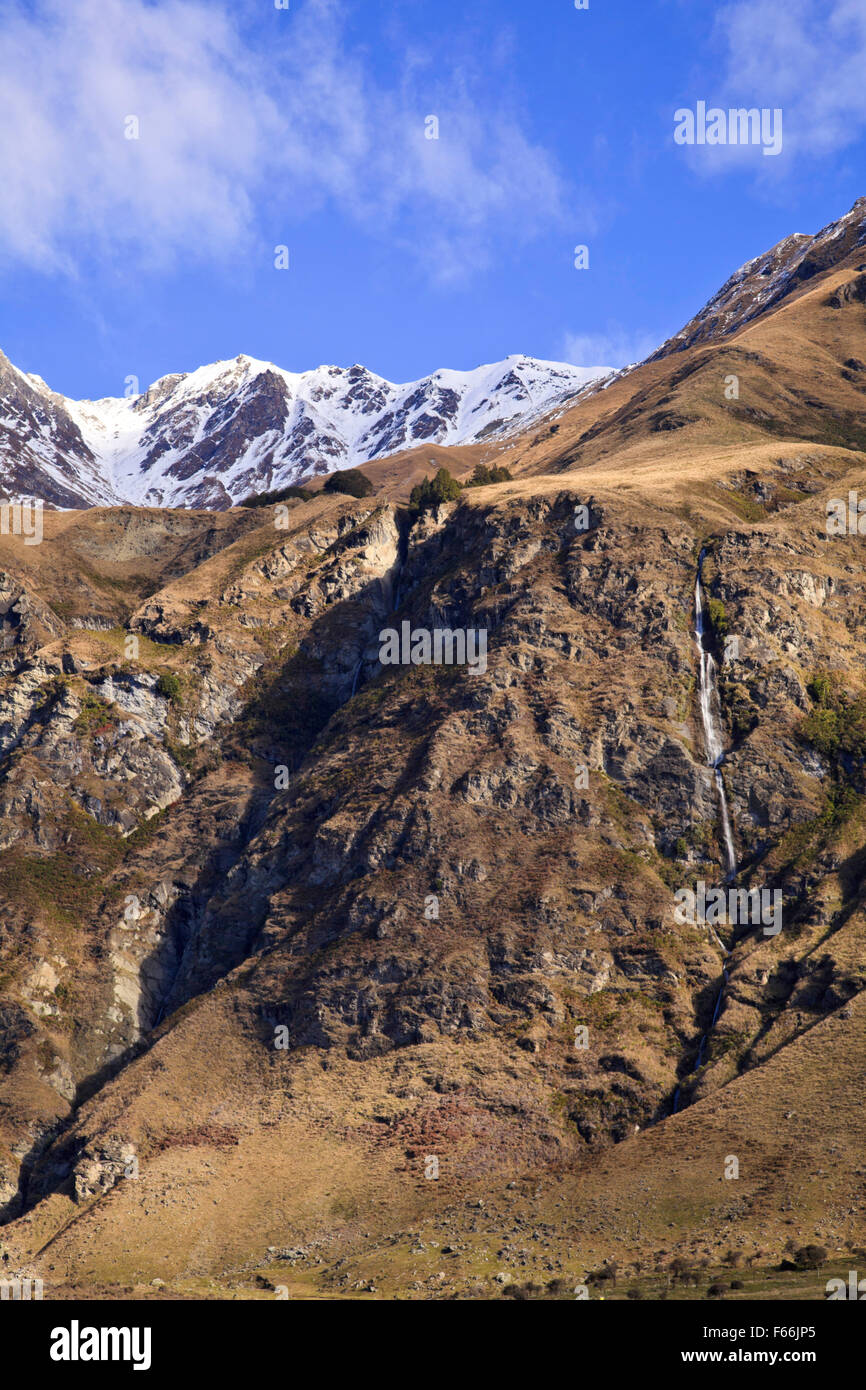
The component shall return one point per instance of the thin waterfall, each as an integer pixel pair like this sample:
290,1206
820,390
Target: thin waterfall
709,700
711,717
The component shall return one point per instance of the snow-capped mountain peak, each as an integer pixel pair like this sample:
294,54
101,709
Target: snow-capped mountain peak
210,437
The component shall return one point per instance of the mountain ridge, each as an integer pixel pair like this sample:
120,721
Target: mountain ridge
792,262
211,437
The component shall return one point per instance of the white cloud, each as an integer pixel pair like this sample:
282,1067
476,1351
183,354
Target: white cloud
614,348
71,75
231,129
807,58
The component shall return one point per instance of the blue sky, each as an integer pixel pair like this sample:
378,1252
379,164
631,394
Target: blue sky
305,127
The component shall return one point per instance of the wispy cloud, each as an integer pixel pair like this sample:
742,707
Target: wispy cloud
71,74
230,129
614,348
804,58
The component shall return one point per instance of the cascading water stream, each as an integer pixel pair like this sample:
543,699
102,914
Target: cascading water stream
708,694
709,701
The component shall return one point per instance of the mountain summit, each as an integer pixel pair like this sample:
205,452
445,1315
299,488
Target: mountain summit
211,437
763,282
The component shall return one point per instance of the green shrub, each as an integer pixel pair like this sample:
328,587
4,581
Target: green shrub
95,713
821,729
837,724
283,494
718,619
821,688
350,481
169,685
811,1256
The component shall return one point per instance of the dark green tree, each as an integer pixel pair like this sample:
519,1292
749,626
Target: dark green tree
482,476
351,481
440,488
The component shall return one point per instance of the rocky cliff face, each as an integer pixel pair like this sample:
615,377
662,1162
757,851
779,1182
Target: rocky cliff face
314,964
42,449
252,827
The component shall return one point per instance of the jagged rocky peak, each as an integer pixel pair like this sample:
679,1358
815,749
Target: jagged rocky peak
766,280
212,436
